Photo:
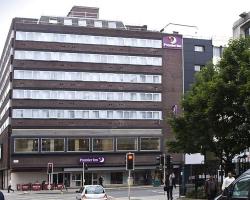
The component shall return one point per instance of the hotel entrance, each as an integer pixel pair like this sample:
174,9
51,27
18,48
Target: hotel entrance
90,178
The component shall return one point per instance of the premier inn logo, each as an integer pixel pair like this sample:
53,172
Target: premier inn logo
172,41
92,160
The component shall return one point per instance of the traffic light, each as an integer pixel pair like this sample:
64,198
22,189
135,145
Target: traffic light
160,161
168,162
50,168
130,158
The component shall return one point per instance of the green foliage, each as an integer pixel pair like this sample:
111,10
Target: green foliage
216,110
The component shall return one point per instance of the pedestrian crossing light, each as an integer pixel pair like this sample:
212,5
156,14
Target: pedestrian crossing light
130,158
50,168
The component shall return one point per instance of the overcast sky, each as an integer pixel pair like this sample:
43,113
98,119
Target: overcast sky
213,18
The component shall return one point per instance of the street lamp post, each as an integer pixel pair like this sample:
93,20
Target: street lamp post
83,178
183,25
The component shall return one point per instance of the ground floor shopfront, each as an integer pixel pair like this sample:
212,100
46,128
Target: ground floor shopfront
73,177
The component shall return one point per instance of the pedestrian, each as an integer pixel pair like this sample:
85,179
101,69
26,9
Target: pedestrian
43,185
227,181
9,187
211,187
101,181
1,196
66,184
169,184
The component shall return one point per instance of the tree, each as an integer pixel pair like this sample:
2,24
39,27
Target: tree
216,111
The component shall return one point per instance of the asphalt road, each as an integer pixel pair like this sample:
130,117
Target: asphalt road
137,193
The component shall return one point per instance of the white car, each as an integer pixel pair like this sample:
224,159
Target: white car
93,192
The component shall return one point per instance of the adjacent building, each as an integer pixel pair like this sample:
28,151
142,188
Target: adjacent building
241,28
197,53
79,89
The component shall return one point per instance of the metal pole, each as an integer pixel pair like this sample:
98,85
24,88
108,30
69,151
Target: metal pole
129,177
164,168
49,181
83,175
183,180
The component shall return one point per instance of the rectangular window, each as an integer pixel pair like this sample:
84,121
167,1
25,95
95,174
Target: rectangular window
52,145
101,144
25,145
82,23
98,24
77,178
112,24
67,21
53,21
78,144
150,144
199,48
198,68
126,144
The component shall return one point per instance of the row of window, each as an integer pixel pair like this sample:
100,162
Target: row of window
31,145
87,39
86,114
89,58
85,95
97,23
86,76
86,22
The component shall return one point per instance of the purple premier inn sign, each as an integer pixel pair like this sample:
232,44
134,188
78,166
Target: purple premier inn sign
93,160
172,41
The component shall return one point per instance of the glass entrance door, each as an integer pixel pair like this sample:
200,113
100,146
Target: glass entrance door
57,178
88,178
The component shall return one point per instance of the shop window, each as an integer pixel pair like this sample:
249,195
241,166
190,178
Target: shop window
78,144
126,144
52,145
24,145
150,144
101,144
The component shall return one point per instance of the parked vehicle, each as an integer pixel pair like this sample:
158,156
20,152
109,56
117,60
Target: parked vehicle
93,192
239,189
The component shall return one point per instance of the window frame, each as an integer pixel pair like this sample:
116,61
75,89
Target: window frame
47,138
101,139
75,138
151,138
25,152
247,179
136,144
199,48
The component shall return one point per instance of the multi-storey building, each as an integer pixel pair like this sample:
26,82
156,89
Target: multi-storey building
241,28
79,89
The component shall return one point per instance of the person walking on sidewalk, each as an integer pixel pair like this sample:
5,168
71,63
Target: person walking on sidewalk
66,184
101,179
211,188
227,181
9,187
169,184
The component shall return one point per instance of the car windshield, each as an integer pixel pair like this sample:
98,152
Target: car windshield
94,190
